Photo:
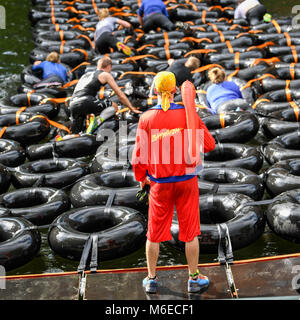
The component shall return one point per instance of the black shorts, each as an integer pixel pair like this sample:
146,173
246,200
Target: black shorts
80,107
255,15
105,42
157,20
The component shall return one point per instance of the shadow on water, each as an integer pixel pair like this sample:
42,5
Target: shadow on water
15,46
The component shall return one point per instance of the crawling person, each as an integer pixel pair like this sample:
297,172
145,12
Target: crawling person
84,100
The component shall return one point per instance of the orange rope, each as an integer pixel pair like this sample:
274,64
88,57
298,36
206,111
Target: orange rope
18,113
249,83
276,25
2,131
52,123
229,46
81,64
259,101
222,120
137,73
296,109
294,53
292,70
288,39
204,16
288,91
199,51
208,66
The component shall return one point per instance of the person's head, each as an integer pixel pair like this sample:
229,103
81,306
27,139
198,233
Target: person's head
216,75
192,63
103,13
104,63
53,57
165,87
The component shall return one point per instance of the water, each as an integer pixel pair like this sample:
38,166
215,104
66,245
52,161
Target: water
15,46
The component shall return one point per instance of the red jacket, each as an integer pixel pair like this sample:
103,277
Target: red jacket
160,150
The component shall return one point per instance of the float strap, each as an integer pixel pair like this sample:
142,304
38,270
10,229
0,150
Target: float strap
90,243
195,39
268,61
292,70
18,113
142,56
52,123
87,38
208,66
237,65
95,7
94,255
276,25
214,27
225,253
229,46
222,37
222,119
288,91
199,51
166,46
259,101
294,53
80,65
288,39
55,100
110,201
136,73
226,258
76,20
69,84
143,47
249,83
204,16
86,56
2,131
261,46
296,109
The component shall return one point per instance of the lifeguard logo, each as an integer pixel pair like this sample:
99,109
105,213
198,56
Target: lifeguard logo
166,133
2,18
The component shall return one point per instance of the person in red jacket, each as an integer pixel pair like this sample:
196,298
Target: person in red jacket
160,158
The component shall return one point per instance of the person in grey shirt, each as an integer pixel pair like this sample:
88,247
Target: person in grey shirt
104,38
251,10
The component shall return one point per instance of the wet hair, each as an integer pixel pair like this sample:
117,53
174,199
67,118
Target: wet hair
192,63
216,75
104,62
103,13
53,57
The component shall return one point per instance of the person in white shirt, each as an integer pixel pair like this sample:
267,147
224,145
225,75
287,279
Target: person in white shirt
251,10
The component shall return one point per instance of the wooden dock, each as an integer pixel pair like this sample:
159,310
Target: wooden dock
263,278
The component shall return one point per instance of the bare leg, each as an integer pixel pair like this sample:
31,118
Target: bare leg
152,252
192,254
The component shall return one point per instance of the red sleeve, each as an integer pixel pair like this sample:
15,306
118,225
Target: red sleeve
140,152
209,141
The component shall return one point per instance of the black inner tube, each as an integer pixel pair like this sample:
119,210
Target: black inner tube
92,221
7,230
48,167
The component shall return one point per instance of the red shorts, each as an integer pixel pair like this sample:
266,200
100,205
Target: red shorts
162,199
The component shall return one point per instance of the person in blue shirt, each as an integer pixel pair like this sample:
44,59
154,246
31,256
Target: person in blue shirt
53,70
153,14
221,91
